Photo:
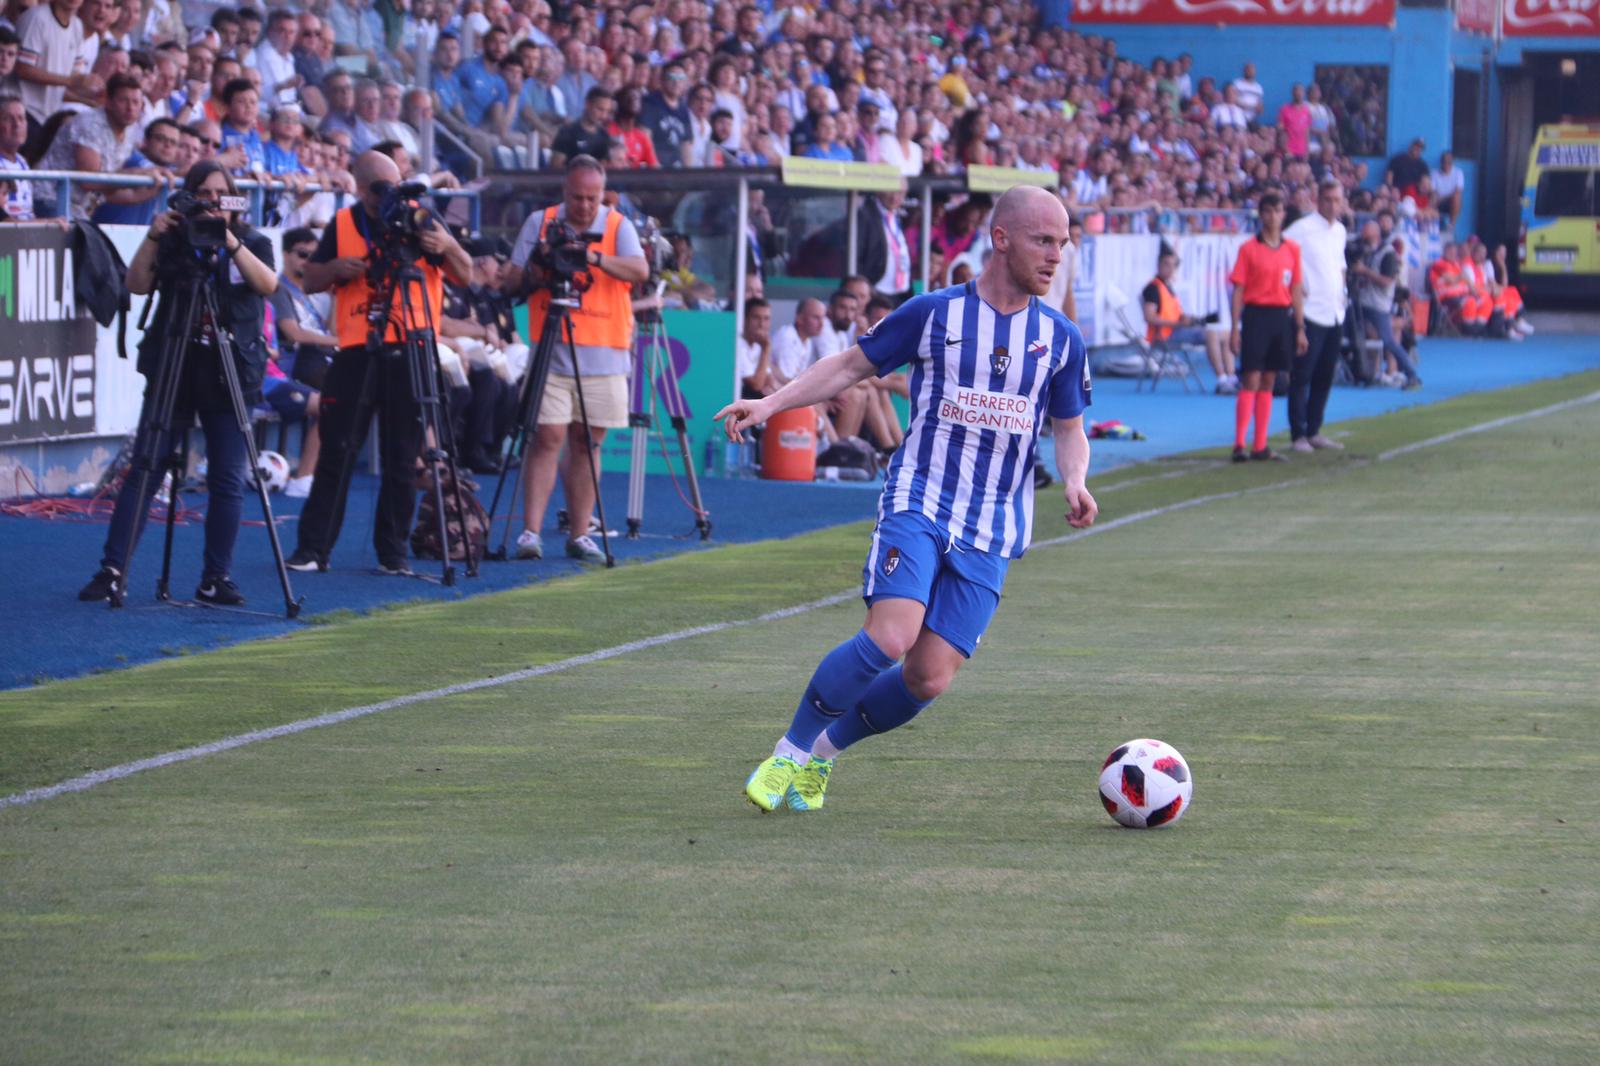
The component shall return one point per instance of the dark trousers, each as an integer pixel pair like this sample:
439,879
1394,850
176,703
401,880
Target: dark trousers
1311,379
488,416
225,478
349,397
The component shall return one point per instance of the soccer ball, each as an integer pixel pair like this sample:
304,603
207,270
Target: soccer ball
272,470
1145,784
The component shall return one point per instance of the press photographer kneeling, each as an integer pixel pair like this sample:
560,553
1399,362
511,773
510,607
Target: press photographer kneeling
198,256
361,253
612,261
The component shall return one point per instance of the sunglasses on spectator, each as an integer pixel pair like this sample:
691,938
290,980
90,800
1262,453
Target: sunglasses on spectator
300,253
209,143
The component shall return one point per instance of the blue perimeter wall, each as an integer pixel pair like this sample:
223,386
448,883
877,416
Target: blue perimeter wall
1421,51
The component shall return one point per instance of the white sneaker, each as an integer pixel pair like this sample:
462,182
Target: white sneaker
529,545
1301,445
1319,441
585,549
1525,326
298,488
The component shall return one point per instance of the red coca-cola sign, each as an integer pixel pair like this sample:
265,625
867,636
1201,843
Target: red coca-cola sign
1247,12
1477,15
1551,18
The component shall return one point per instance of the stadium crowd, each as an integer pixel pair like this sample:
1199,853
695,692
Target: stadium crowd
291,92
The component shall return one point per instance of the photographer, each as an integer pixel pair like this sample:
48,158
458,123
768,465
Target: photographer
243,275
1377,272
602,330
361,242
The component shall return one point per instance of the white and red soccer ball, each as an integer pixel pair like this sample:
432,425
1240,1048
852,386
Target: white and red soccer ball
1145,784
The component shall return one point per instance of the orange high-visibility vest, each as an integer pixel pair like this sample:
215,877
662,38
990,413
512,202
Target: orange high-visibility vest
350,300
604,315
1169,310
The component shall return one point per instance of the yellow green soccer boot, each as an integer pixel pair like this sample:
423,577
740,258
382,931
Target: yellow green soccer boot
805,791
769,781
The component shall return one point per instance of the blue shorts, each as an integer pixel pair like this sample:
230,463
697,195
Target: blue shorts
913,559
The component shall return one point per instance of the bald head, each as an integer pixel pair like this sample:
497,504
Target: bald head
809,315
1029,229
1023,204
371,166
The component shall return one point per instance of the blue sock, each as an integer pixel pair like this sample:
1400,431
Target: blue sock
887,704
836,686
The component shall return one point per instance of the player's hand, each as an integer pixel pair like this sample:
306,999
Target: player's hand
1233,340
740,415
1301,344
1081,508
347,268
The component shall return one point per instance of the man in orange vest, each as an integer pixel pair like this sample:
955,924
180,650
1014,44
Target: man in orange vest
360,379
1165,321
1449,284
602,333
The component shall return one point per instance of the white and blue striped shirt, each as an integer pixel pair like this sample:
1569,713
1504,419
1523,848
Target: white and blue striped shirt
980,384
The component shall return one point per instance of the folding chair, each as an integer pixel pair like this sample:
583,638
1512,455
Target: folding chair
1157,359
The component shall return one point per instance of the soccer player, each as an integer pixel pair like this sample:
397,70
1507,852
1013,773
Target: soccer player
988,360
1266,289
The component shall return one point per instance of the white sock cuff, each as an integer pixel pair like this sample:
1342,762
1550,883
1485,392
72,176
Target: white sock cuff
823,748
787,749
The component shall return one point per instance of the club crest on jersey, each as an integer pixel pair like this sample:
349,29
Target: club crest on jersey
1000,360
891,562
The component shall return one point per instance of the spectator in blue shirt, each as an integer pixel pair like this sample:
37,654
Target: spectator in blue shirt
826,144
240,101
483,91
449,108
340,90
282,153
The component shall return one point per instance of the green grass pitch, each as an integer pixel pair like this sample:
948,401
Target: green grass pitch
1385,676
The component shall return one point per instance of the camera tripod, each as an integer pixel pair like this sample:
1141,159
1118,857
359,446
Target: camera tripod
420,350
196,295
557,327
656,368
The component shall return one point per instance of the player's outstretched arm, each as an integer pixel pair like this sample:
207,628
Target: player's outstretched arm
822,380
1072,459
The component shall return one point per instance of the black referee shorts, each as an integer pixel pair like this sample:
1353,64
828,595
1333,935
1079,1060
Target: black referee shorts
1266,339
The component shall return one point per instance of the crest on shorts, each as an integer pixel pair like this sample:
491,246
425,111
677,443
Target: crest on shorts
891,562
1000,360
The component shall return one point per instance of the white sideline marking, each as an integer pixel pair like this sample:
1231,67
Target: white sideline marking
1485,426
113,773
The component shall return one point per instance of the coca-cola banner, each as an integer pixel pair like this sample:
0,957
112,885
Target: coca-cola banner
1477,15
1551,18
1249,12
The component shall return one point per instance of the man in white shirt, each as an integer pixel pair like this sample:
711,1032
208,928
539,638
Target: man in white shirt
797,346
1321,237
1090,187
1229,112
52,38
1448,182
1250,92
753,351
18,195
274,58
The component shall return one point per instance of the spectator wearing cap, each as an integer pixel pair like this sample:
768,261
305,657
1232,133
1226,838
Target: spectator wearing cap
274,58
665,113
588,135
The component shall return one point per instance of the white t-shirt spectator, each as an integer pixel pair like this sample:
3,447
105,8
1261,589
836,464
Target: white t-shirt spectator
1226,114
747,356
791,355
1322,264
1088,188
1062,281
1321,122
19,201
91,130
275,69
889,150
52,47
1447,184
1250,94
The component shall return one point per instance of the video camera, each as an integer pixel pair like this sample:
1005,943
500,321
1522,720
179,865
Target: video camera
561,259
204,230
402,220
658,250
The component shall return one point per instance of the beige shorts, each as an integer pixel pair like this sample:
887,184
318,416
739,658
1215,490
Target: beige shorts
605,395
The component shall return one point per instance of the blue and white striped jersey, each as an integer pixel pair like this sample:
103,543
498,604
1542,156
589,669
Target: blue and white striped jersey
980,384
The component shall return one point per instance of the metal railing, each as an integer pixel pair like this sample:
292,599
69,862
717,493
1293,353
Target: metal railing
257,191
1173,221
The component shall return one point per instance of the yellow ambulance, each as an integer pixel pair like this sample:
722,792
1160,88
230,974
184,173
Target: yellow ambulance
1559,246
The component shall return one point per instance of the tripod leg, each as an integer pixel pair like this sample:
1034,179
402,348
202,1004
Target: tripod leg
241,418
639,425
677,409
176,459
589,456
